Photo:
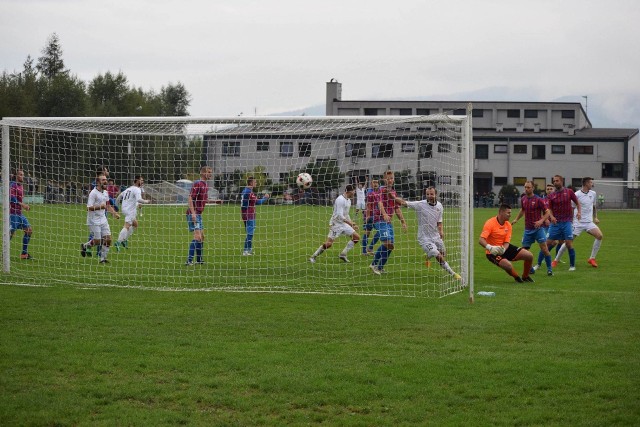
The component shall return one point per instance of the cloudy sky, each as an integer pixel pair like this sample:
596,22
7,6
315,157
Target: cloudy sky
270,56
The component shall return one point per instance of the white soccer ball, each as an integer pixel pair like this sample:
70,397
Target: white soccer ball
304,180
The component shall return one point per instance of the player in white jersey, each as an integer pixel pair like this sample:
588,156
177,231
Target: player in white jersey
588,220
361,199
340,224
129,200
97,205
430,230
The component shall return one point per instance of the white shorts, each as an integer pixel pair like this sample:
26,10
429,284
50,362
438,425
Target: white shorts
100,231
338,230
129,217
360,205
579,227
432,247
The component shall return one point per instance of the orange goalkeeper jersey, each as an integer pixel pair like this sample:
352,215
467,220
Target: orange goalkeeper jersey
496,234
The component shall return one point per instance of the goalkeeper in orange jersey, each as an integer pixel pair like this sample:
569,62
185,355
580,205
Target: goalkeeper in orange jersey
496,238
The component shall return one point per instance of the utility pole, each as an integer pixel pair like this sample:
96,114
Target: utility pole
586,103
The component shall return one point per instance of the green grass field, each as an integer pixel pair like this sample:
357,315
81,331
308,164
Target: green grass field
562,351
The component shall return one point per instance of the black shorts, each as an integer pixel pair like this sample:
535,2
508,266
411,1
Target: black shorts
509,254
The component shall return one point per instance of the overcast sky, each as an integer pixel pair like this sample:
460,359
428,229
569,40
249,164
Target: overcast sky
269,56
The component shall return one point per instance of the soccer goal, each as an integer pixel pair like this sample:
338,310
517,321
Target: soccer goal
55,160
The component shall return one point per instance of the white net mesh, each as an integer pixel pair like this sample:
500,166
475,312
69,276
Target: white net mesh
59,158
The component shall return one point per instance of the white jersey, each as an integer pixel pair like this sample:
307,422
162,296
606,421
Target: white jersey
360,197
97,198
587,202
130,199
341,208
428,218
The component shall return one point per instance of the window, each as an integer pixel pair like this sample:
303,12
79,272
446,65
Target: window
286,149
477,112
513,114
557,149
426,151
569,114
444,147
519,149
538,152
405,111
499,180
262,146
408,147
231,149
582,149
482,151
304,149
355,149
460,112
530,114
500,148
612,170
576,183
381,150
370,111
422,111
444,180
519,181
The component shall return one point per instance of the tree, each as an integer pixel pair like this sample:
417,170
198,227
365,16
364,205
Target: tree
50,64
108,95
175,100
62,96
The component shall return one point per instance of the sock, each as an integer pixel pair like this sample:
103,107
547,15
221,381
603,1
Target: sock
347,248
595,248
386,252
547,261
540,257
103,252
199,246
192,250
365,238
132,229
572,257
560,251
527,268
123,235
376,237
248,242
318,251
26,238
378,255
445,265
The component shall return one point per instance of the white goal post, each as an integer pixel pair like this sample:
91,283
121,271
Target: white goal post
53,163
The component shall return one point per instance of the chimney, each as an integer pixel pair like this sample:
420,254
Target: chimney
334,93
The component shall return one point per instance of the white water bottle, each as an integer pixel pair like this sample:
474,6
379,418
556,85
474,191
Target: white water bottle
487,294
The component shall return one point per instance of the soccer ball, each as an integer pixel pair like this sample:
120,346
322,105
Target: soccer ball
304,180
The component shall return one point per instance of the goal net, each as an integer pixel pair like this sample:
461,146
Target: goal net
55,161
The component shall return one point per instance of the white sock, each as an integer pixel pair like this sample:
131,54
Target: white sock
319,251
445,265
561,251
131,230
595,248
123,235
348,247
104,252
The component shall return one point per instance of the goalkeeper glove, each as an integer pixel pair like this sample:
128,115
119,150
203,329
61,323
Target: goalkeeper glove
495,250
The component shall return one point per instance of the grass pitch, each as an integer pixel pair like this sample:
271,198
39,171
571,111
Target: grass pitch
561,351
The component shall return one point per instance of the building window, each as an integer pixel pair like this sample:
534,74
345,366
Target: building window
519,181
286,149
576,183
408,147
568,114
355,149
519,149
262,146
444,147
557,149
477,112
482,151
405,111
444,180
381,150
370,111
500,148
304,149
513,114
540,185
460,112
231,149
426,151
612,170
422,111
538,152
499,180
582,149
530,114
